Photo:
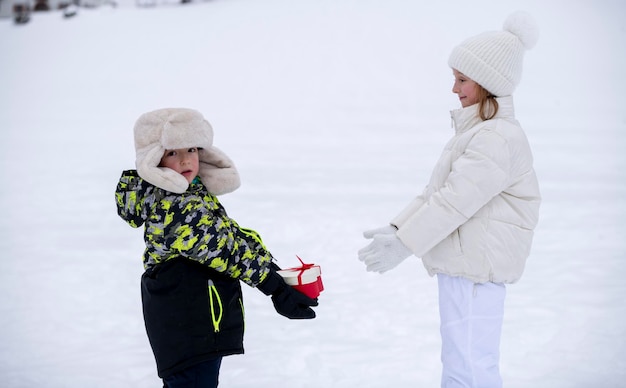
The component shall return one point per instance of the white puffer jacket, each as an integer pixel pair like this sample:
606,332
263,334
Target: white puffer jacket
476,217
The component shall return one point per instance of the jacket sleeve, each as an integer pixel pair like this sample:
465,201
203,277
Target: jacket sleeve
205,233
475,177
129,195
408,211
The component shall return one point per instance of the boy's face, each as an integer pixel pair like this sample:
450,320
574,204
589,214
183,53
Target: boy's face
184,161
465,88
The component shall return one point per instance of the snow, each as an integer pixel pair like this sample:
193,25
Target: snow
335,112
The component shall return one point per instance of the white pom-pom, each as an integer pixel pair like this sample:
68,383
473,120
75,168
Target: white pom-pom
522,25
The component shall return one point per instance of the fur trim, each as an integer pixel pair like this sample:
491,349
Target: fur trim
217,172
522,25
174,128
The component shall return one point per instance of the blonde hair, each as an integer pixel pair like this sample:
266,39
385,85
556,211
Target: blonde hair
487,103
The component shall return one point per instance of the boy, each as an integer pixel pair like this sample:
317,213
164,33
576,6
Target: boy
195,254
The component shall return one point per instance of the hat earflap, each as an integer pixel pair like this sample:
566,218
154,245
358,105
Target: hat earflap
165,178
217,171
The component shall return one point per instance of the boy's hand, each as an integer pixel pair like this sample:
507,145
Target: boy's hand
293,304
288,301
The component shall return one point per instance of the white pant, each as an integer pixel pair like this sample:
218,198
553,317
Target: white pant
471,323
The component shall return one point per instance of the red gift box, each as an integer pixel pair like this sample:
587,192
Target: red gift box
307,278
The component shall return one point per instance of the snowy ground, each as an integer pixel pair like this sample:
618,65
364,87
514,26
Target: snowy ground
335,112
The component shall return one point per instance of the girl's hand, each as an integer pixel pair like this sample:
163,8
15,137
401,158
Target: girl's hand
385,252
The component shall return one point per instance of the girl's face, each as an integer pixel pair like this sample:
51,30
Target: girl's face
465,88
184,161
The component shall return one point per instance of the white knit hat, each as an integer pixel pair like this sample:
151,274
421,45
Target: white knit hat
494,59
173,128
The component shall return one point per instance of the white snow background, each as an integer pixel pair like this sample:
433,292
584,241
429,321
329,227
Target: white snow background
334,112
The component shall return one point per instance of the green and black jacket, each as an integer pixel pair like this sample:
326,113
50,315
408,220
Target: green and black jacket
195,256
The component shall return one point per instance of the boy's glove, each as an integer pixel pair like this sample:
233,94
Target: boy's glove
288,301
385,252
387,229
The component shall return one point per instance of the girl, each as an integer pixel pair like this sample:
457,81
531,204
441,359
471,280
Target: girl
473,223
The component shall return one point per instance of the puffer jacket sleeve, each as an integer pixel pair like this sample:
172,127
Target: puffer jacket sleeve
408,211
471,181
198,228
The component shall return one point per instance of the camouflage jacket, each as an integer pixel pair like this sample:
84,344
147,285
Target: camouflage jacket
192,225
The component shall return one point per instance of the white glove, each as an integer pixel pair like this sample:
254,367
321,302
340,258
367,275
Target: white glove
387,229
385,252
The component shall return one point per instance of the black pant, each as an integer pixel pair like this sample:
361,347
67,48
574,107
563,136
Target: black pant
203,375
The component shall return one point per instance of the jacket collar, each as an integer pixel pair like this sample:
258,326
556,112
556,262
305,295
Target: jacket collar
466,118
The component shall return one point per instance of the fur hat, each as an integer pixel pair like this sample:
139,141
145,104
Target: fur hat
494,59
173,128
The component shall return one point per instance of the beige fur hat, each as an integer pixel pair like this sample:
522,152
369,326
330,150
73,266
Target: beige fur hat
494,59
173,128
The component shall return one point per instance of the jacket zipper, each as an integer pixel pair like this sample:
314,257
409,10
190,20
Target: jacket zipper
215,301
